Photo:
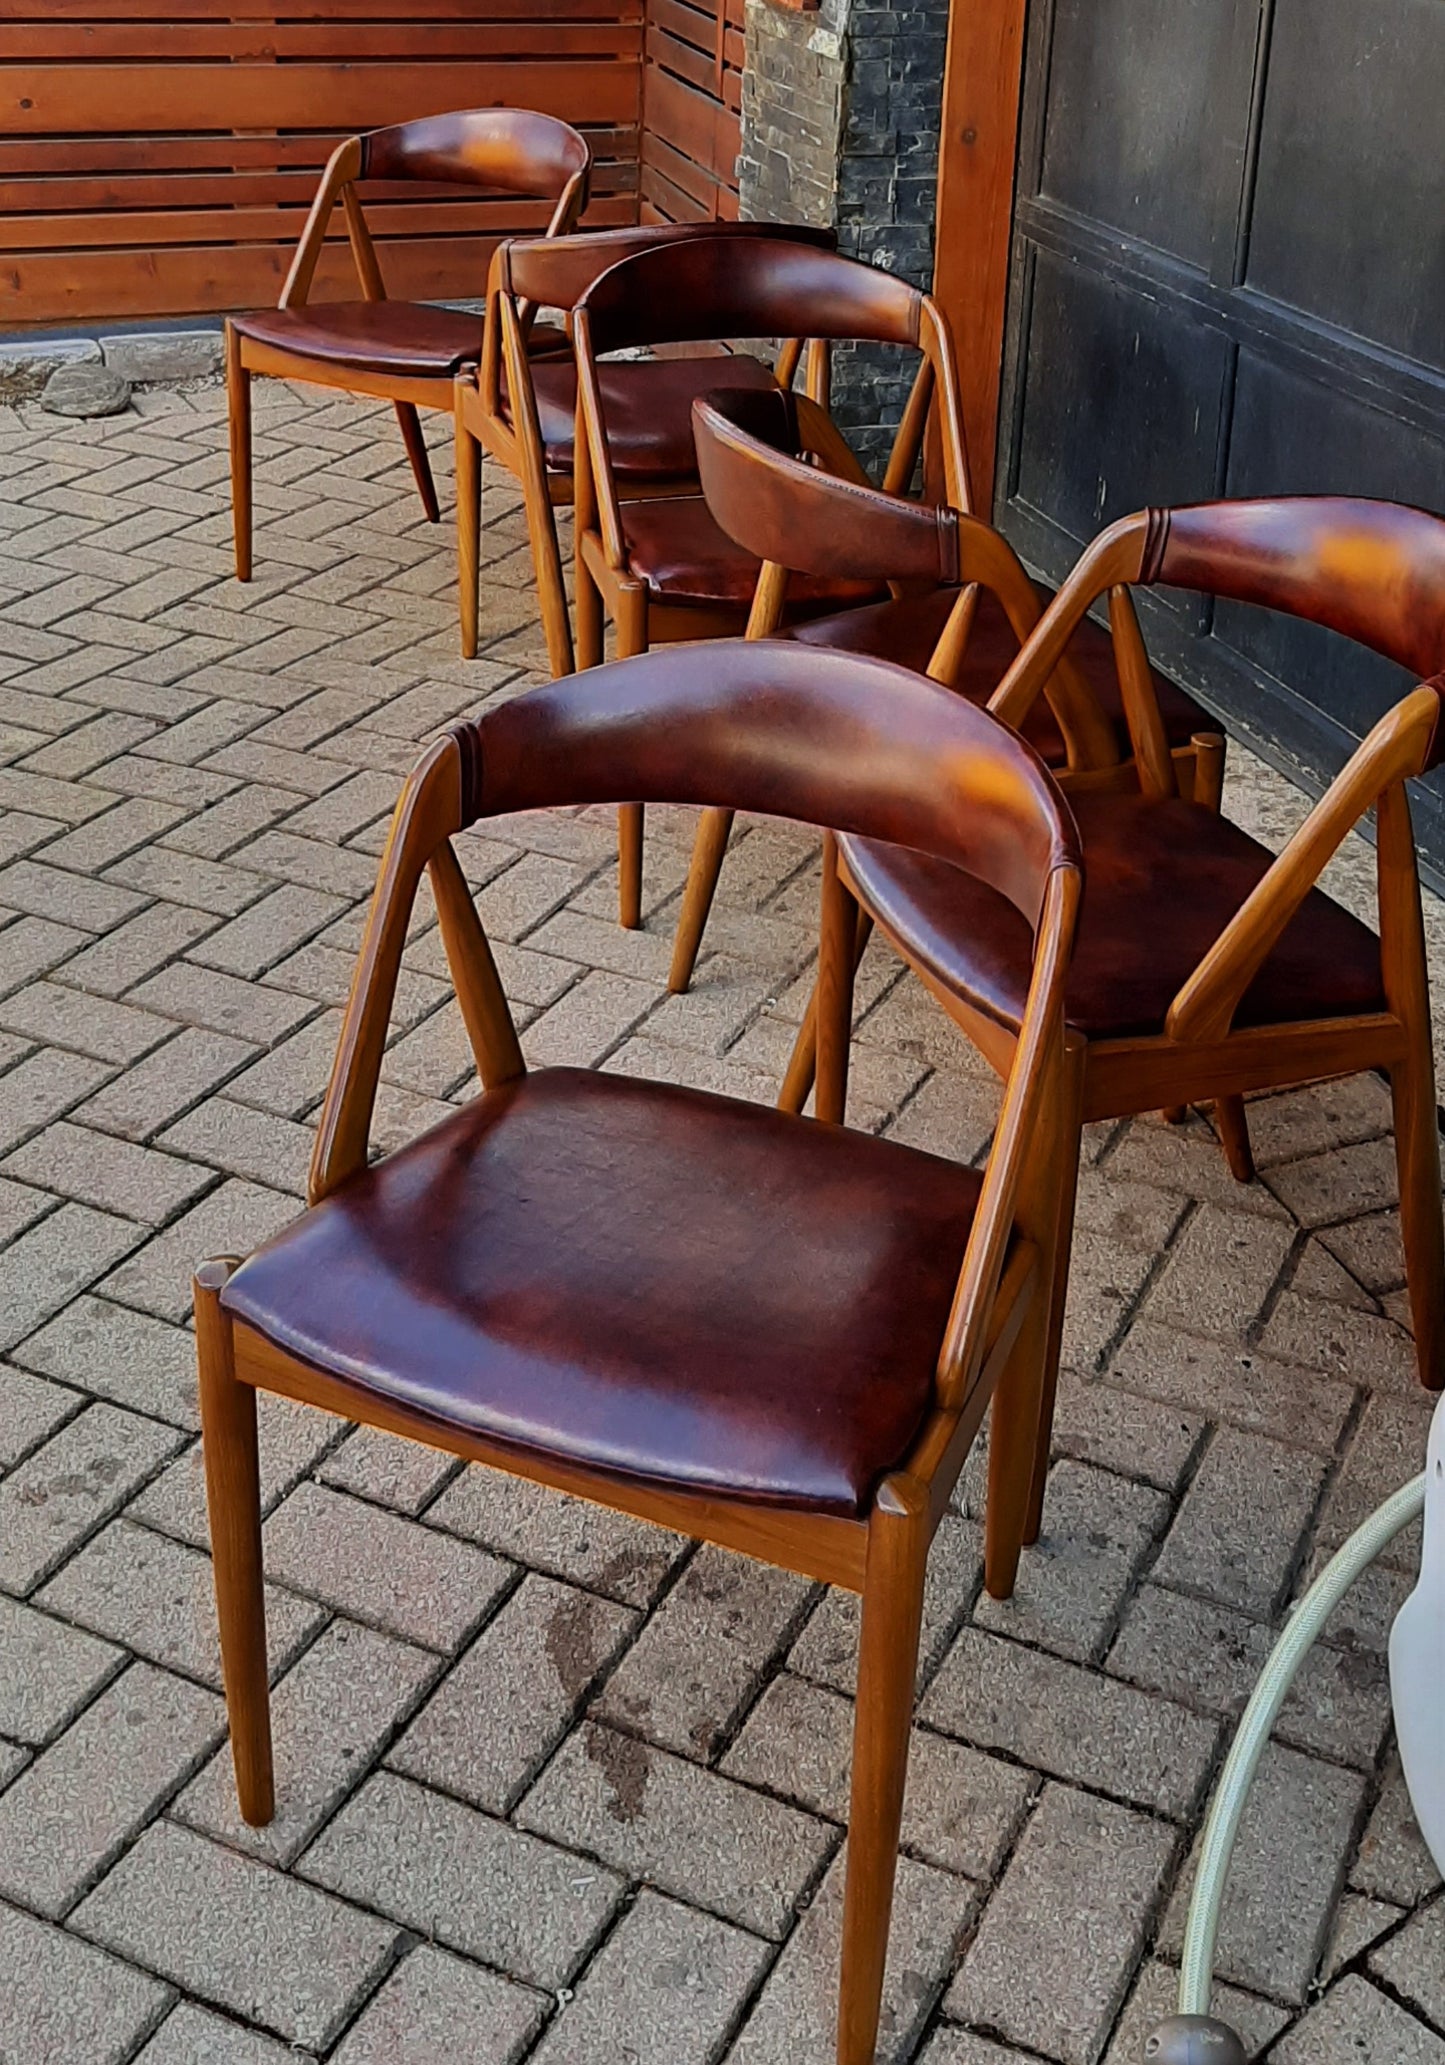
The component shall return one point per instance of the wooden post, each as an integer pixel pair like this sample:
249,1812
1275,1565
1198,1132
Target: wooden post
977,162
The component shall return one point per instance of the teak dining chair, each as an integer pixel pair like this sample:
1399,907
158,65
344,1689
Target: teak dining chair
962,607
407,352
1204,966
766,1331
663,569
648,404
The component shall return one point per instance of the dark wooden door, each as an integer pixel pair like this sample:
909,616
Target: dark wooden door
1228,277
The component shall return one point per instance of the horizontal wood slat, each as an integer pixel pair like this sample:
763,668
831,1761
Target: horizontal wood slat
157,157
691,98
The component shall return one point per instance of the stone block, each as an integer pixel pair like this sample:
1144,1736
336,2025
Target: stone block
402,1577
702,1655
688,1831
1072,1723
797,2012
488,1727
1059,1940
663,1990
69,1812
67,1489
332,1713
1356,2021
165,356
1287,1870
431,1997
47,1671
156,1596
1238,1534
458,1878
85,390
269,1948
62,2000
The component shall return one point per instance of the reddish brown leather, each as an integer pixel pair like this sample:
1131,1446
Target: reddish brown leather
784,731
794,514
1161,881
678,548
405,338
1374,571
557,271
908,631
648,407
514,149
651,1281
715,286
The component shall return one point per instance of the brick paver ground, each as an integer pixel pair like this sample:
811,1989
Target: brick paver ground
552,1785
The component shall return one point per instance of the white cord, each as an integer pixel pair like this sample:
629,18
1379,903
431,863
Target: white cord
1301,1632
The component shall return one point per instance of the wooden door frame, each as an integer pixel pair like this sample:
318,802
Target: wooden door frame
977,169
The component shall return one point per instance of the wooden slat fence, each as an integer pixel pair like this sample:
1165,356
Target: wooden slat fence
691,102
157,156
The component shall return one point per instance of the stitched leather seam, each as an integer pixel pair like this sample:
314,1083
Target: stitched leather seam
1156,545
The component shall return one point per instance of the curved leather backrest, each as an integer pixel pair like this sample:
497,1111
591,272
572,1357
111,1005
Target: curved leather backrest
557,271
512,148
1374,571
809,521
718,286
857,745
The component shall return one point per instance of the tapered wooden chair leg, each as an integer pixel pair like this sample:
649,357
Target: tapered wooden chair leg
629,865
238,407
803,1061
415,441
1057,1172
898,1535
708,849
1233,1126
469,535
1417,1154
588,607
1013,1446
233,1497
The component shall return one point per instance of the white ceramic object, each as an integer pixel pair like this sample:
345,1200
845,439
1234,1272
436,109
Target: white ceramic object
1417,1660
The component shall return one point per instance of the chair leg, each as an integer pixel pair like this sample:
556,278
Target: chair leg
551,588
233,1498
1417,1154
1058,1172
803,1061
631,639
238,408
469,535
887,1662
1234,1137
709,847
415,442
588,606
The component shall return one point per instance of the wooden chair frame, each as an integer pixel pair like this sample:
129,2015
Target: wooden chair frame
607,589
524,272
860,530
993,1348
1303,548
248,357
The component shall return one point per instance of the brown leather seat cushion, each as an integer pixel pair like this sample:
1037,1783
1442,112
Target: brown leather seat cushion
907,632
646,406
670,1285
406,338
1161,881
677,547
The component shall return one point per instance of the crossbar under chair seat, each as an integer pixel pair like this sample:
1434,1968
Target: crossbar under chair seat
767,1331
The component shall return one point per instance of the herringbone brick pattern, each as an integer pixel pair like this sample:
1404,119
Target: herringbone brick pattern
552,1785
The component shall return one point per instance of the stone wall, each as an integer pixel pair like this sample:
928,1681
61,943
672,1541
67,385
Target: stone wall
841,116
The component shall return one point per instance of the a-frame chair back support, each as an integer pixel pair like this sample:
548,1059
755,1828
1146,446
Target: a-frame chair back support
776,482
710,289
829,740
510,150
1372,571
496,406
